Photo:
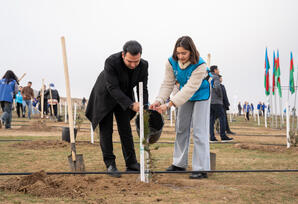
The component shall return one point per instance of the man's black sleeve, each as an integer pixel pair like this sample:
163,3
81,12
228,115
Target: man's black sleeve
112,85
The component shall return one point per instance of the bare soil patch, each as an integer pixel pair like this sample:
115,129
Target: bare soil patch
43,185
40,144
38,126
266,148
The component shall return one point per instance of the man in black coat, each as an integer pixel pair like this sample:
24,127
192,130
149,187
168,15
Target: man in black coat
226,105
113,94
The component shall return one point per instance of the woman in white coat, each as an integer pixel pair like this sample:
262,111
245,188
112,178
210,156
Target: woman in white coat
193,101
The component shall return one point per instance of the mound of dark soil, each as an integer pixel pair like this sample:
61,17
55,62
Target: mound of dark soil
38,126
40,144
265,148
43,185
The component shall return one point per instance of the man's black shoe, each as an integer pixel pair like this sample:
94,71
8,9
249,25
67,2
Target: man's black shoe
133,167
231,133
226,139
175,168
213,140
113,171
198,175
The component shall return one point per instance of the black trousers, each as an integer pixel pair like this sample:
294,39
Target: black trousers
20,106
217,111
124,129
247,115
55,110
227,122
45,107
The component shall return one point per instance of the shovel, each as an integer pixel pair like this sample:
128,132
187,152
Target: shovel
76,161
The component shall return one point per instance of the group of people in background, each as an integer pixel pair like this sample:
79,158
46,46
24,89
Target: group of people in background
51,99
248,109
11,93
201,99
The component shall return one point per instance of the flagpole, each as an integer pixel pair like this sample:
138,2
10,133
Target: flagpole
294,108
274,72
275,110
271,115
295,103
267,86
265,112
281,120
288,112
288,124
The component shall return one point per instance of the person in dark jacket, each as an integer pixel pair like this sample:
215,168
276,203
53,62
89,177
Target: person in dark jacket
53,98
45,100
217,109
8,88
239,109
226,105
113,94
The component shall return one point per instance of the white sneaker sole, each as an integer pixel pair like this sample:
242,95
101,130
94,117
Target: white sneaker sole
226,140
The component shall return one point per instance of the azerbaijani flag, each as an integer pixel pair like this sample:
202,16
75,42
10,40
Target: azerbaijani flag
266,76
273,73
278,74
292,84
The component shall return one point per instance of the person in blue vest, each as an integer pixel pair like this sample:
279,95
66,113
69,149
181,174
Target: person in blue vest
247,110
8,88
193,101
263,108
19,103
259,108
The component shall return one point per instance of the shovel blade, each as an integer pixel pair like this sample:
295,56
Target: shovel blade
78,165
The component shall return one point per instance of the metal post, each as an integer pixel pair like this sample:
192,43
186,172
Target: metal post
142,153
288,124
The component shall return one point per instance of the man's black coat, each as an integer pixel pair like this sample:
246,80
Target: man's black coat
226,102
114,86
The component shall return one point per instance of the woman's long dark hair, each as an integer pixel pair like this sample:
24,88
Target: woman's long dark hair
187,43
10,76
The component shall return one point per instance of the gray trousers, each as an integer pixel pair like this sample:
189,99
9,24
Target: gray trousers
196,114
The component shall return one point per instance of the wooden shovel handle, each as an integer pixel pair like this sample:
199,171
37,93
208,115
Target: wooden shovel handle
67,85
51,97
22,77
208,60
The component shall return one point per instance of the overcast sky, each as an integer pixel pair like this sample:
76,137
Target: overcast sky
235,32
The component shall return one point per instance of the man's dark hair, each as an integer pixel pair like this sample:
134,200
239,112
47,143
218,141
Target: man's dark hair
29,82
187,43
133,47
10,76
213,68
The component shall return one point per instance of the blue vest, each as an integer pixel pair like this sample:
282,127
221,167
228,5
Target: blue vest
19,97
182,76
7,90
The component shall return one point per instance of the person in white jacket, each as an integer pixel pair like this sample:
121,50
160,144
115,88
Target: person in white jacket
186,67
